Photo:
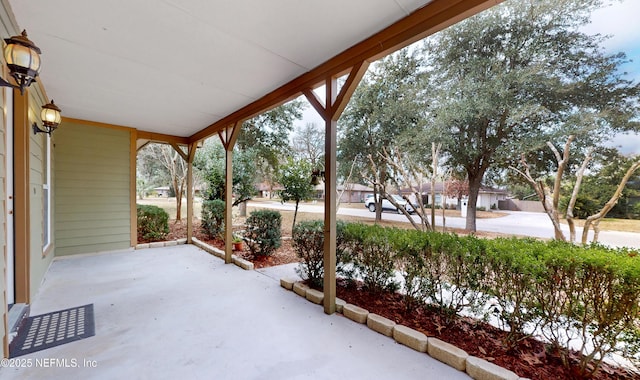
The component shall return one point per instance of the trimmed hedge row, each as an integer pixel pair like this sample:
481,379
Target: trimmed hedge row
576,298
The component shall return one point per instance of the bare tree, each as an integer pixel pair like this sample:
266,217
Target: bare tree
308,144
411,176
550,199
596,218
177,168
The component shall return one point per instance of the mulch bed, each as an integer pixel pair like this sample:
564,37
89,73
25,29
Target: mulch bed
531,359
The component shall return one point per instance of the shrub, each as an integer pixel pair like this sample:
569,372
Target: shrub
372,256
213,217
308,243
584,298
153,222
263,234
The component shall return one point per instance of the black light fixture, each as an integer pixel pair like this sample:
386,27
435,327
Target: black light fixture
51,118
23,60
317,176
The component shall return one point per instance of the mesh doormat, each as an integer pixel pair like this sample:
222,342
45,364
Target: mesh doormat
53,329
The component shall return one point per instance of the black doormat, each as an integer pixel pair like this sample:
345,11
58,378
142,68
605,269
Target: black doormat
53,329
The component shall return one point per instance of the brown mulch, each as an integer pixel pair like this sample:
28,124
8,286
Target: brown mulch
530,359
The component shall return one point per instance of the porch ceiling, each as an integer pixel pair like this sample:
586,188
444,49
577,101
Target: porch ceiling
177,67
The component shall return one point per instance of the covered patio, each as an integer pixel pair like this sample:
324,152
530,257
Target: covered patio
176,72
178,312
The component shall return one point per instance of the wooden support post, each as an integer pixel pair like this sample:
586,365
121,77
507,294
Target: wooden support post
228,138
228,200
191,153
22,194
330,111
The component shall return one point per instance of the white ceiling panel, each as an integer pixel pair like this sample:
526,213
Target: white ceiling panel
177,66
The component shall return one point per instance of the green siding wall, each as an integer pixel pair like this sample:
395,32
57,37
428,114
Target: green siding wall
39,262
92,198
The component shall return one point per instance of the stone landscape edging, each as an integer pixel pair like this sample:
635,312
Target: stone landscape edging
477,368
238,261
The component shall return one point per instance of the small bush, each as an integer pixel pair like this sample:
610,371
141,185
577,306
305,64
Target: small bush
153,222
213,217
308,243
263,234
373,256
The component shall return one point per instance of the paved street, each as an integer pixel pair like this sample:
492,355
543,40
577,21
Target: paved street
516,222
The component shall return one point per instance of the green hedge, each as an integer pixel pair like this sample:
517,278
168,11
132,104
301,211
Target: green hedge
571,296
152,222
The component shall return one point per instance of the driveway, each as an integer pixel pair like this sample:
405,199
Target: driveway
534,224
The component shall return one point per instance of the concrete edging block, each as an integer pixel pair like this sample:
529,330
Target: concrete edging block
181,241
380,324
340,305
171,243
209,249
242,263
410,338
314,296
156,244
142,246
300,289
481,369
447,353
355,313
287,283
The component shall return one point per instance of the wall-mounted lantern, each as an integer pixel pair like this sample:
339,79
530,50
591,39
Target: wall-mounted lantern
23,60
51,118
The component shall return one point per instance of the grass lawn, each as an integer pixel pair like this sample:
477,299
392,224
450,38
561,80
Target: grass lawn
613,224
169,205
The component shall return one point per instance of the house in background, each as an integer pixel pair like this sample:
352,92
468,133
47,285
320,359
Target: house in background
488,197
349,192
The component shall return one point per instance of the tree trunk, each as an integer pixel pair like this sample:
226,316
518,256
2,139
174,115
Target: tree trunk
295,214
574,196
474,190
178,189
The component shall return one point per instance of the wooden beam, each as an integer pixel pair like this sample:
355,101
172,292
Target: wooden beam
229,135
181,152
162,138
315,102
354,78
423,22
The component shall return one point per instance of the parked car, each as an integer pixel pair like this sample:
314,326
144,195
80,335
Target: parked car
386,205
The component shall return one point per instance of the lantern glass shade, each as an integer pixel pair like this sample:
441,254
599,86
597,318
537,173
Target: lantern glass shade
23,59
50,115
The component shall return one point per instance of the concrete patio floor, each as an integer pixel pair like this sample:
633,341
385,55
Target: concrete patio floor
178,312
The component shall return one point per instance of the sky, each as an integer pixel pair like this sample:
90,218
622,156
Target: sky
620,20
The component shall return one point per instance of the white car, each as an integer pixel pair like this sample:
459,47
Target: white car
386,205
